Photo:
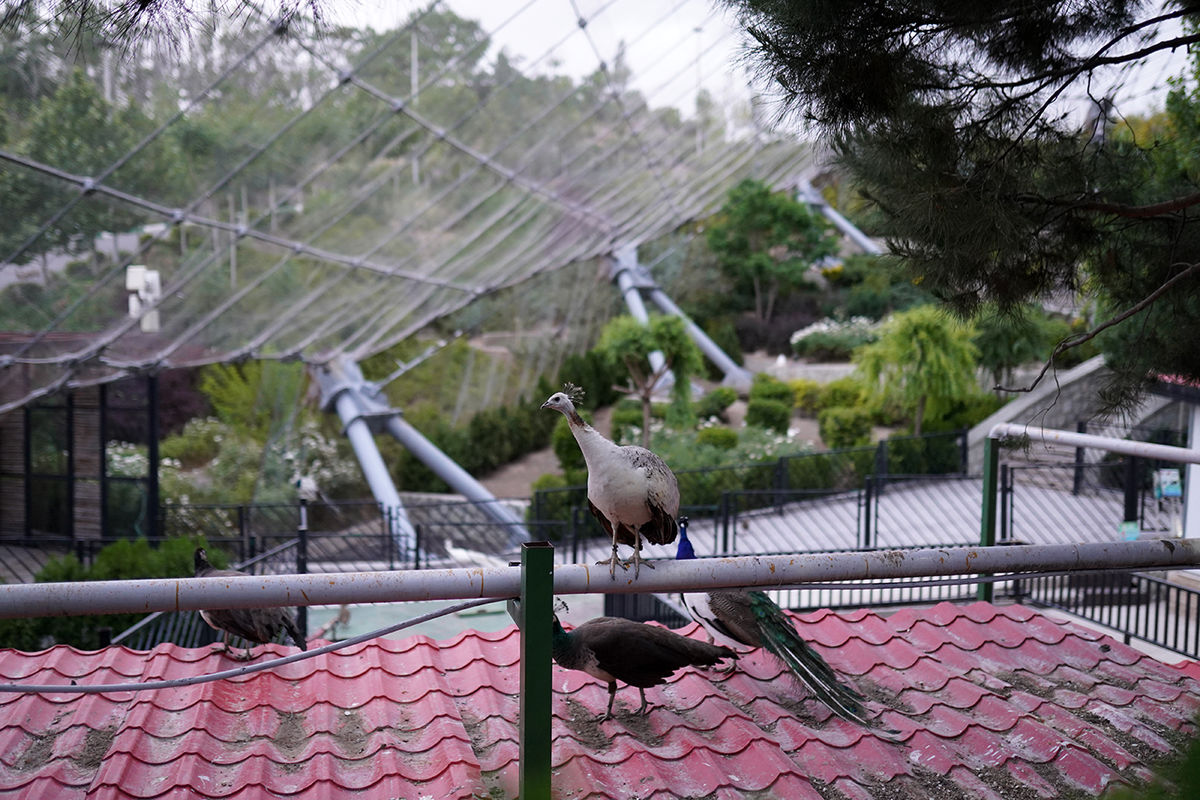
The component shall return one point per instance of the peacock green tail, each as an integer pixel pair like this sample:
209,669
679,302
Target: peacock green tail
781,639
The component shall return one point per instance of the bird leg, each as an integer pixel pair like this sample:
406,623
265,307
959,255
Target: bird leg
612,562
643,709
637,559
612,695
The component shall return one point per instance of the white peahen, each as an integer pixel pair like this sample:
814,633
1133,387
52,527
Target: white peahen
630,490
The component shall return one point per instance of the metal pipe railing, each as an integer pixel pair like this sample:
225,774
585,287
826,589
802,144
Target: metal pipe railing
258,591
1164,452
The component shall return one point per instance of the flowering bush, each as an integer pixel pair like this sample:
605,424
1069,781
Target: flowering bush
833,340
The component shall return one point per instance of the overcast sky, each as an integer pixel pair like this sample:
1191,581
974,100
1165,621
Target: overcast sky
672,45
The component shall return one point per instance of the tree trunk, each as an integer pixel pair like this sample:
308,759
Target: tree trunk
646,403
919,416
758,300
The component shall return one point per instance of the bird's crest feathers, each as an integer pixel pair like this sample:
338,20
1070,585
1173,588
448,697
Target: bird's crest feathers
573,393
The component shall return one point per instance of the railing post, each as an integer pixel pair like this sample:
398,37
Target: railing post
1132,489
881,465
418,539
963,451
302,562
726,523
987,516
1080,453
537,612
1005,499
244,534
868,498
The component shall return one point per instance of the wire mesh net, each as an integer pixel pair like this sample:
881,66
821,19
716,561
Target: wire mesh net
300,191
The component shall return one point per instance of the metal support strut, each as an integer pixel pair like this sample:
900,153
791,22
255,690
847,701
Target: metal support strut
632,279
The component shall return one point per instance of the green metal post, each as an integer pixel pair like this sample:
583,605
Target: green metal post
537,614
987,525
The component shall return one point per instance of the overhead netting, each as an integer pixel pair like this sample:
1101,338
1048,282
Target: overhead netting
306,191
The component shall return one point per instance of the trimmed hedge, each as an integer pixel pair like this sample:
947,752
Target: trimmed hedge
716,402
724,438
122,560
765,387
844,426
770,414
808,396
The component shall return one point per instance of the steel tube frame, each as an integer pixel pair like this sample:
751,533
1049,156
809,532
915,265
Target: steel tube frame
807,193
738,377
1164,452
258,591
458,478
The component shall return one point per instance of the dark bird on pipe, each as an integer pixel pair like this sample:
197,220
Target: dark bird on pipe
630,490
745,618
255,625
614,649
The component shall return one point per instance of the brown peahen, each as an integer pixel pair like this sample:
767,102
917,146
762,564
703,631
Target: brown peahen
641,655
256,625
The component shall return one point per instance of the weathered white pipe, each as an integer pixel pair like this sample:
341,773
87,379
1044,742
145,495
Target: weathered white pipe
1164,452
180,594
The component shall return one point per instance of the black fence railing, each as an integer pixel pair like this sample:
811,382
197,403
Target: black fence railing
1139,606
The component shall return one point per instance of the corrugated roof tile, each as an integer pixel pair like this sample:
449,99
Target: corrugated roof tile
984,700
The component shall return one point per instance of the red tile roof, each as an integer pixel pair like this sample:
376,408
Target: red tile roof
988,701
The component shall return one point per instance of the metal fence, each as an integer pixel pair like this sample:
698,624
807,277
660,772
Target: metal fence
1138,605
798,504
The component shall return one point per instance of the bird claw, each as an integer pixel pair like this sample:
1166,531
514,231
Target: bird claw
612,564
226,650
637,561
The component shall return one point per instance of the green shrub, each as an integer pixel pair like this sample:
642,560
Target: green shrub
928,455
833,340
967,412
844,426
769,414
595,374
197,444
716,402
724,335
765,387
723,438
551,505
122,560
845,391
808,395
625,417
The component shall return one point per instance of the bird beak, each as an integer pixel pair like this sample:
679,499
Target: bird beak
546,404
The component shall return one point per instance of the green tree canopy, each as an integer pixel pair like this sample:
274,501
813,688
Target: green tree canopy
924,360
945,115
764,241
626,341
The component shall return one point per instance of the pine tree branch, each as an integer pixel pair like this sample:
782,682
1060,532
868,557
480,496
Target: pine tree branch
1138,212
1080,338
